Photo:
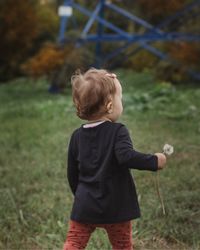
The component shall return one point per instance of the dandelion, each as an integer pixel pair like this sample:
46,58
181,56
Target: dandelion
168,149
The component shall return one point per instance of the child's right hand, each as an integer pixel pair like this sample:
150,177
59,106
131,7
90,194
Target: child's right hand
161,160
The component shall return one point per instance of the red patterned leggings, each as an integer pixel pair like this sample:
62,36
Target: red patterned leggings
120,235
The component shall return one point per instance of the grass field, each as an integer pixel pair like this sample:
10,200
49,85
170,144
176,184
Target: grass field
35,199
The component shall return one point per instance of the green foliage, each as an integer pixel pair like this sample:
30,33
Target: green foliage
160,95
35,130
143,59
49,25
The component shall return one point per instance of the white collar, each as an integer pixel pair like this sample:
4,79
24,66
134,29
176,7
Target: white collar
93,124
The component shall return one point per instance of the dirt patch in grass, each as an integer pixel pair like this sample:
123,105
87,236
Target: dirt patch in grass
157,243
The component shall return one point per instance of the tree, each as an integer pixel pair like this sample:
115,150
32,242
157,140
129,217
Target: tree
19,28
25,25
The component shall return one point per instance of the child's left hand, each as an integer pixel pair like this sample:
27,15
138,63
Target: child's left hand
161,160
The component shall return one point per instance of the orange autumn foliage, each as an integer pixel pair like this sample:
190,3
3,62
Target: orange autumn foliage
187,53
46,61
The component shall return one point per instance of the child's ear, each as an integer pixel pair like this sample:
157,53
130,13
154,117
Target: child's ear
109,107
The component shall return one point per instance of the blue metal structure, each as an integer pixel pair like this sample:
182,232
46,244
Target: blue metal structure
144,41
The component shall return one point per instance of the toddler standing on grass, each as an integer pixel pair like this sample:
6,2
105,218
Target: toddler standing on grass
100,157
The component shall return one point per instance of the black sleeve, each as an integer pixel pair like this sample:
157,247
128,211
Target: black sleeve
129,157
72,169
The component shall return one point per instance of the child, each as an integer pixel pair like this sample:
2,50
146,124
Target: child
100,157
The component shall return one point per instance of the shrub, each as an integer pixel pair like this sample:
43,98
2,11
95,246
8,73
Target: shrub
45,62
187,53
58,64
185,57
141,60
75,58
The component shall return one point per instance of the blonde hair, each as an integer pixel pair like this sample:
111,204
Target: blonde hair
91,92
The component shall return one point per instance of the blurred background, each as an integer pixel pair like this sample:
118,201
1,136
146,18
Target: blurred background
38,40
154,49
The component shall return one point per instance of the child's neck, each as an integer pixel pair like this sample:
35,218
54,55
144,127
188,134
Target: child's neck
100,119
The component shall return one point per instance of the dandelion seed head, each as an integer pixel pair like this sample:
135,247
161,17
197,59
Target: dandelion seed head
168,149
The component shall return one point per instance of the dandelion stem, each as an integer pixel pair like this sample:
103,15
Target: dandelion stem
157,182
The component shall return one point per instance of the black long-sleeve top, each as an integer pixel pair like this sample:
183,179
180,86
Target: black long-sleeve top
99,163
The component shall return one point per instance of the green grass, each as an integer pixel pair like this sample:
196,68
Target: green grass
34,132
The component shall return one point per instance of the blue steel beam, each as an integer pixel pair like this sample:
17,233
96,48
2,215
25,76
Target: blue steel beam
144,38
155,51
161,55
178,14
174,36
100,20
146,46
154,32
173,17
91,20
156,28
168,37
63,26
150,37
130,16
63,23
133,17
100,29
